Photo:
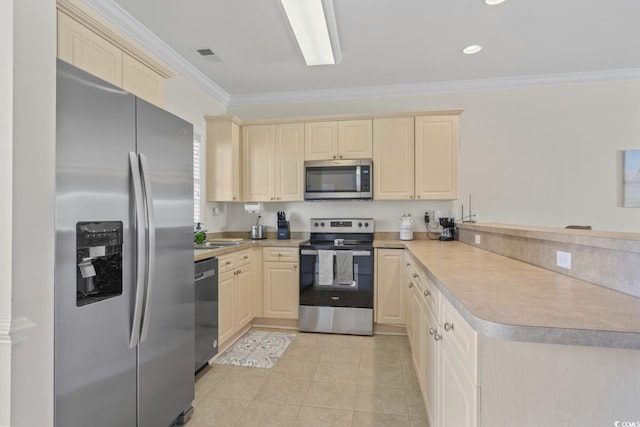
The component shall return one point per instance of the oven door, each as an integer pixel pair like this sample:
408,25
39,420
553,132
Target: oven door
315,291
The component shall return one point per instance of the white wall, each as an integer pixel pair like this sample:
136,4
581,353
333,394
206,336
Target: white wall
6,153
539,156
32,196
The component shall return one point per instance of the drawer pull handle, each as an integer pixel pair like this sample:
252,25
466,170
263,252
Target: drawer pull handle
448,326
437,336
432,331
427,293
246,257
410,285
227,263
415,275
408,264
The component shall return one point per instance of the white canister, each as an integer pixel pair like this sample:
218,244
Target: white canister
406,227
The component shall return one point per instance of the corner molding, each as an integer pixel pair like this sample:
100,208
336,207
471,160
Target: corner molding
15,331
142,35
437,87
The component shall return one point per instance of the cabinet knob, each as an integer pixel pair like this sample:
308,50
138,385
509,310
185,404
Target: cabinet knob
278,198
418,196
273,198
246,257
432,331
448,326
427,293
411,196
410,285
437,336
234,197
415,275
295,266
227,263
334,157
408,264
340,156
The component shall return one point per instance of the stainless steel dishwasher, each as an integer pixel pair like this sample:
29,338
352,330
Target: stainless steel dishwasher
206,312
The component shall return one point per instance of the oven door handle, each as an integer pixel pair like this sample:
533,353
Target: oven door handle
315,252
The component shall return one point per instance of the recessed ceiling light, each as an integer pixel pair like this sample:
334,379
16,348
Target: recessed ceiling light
470,50
493,2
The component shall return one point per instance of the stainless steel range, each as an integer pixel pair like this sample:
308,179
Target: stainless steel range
336,277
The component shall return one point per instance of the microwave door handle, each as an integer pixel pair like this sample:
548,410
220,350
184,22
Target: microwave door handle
358,179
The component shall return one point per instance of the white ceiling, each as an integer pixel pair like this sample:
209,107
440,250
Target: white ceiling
388,45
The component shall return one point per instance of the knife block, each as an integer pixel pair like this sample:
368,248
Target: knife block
283,230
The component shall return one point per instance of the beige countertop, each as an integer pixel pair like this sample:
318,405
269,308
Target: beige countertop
510,299
200,254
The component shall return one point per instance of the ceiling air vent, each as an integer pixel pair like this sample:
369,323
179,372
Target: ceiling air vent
208,55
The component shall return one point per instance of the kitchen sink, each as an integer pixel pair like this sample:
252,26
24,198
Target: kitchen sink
217,245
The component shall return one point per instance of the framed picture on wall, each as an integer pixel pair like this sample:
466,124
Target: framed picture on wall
631,179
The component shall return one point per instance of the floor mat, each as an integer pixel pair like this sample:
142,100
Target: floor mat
256,349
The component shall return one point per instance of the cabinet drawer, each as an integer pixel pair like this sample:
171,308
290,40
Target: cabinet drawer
280,254
244,257
227,262
460,339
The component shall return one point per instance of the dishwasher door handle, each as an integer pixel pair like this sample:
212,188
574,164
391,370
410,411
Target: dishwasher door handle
204,275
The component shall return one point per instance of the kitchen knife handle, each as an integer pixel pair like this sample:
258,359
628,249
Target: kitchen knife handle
151,243
140,249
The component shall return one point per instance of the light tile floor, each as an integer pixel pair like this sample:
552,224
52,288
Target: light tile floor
321,380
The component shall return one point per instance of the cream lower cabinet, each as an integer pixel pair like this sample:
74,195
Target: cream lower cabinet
223,173
445,353
235,293
280,280
273,162
390,295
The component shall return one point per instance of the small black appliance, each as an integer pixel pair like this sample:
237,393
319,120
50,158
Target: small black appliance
448,229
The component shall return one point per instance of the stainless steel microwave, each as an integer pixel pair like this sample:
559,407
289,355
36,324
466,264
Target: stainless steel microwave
338,179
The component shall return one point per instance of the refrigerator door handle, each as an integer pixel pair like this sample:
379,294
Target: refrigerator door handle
141,257
151,242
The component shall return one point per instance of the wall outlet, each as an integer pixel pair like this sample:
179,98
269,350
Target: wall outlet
432,218
477,240
474,215
563,259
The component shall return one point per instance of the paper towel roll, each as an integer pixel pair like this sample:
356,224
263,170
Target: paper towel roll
254,207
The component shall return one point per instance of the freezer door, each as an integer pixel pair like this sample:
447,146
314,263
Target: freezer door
94,368
166,350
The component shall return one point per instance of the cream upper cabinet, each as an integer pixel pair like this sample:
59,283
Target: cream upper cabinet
393,162
223,168
289,162
80,46
142,81
346,139
320,140
92,47
273,160
436,157
258,163
390,295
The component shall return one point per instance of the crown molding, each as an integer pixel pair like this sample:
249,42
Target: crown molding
433,88
15,331
138,32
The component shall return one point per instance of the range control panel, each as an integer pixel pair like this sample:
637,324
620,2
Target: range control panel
341,225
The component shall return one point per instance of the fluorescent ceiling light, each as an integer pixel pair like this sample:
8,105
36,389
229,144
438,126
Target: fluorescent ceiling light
493,2
307,20
470,50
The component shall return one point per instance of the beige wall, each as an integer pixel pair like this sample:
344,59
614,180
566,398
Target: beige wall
540,156
6,150
32,196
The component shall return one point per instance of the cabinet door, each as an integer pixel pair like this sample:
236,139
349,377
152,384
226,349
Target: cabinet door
226,306
223,161
393,163
258,153
142,81
320,140
280,292
428,364
436,157
355,139
406,286
390,301
458,396
243,292
256,282
289,162
83,48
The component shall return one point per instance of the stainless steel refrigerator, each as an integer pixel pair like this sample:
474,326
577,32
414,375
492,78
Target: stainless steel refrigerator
124,298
